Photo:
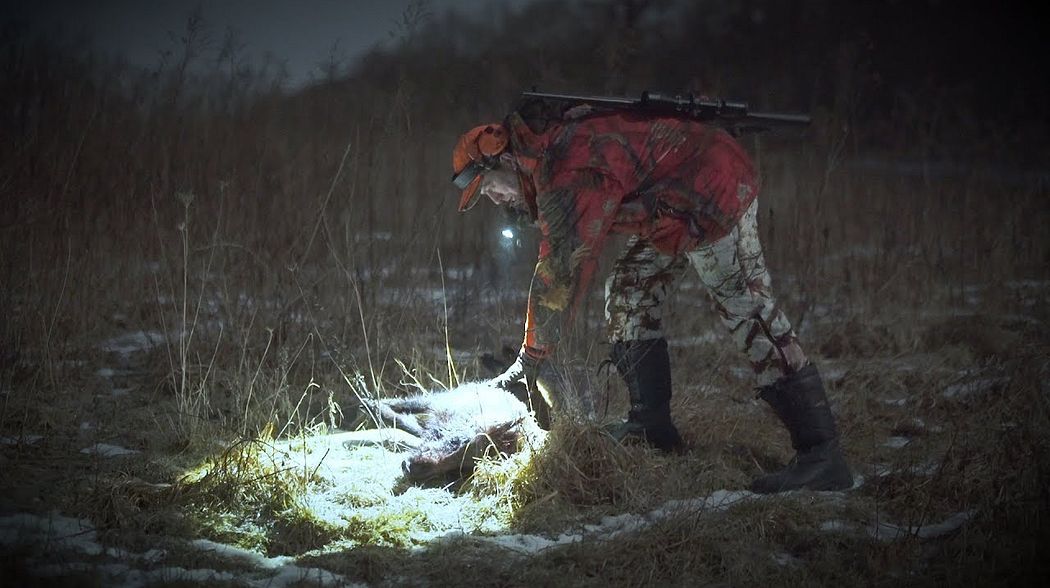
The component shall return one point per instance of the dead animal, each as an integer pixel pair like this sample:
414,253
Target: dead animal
456,427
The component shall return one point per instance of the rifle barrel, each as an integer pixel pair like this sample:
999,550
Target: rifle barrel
783,119
713,110
581,99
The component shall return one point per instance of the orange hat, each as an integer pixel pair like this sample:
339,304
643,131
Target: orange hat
476,152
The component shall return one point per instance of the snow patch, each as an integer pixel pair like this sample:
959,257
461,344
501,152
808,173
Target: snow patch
106,450
460,273
612,526
21,440
53,530
112,373
884,531
58,532
1029,284
133,342
833,374
835,526
973,387
784,559
896,442
924,469
888,532
742,373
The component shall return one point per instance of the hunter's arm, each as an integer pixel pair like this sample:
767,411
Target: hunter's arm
575,214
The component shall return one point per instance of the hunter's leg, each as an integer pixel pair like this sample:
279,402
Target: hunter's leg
734,271
634,293
635,290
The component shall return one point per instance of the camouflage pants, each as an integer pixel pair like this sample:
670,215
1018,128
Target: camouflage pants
734,272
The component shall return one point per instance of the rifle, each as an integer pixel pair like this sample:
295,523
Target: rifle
734,116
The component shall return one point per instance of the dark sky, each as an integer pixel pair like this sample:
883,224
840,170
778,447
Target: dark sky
301,32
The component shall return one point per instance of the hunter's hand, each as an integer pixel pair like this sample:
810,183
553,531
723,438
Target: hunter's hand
521,372
520,379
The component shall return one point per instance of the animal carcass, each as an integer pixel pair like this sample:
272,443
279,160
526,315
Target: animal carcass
456,427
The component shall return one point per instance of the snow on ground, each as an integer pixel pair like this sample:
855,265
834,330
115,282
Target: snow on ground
926,468
353,464
974,387
21,440
885,531
612,526
71,547
896,442
113,373
133,342
106,450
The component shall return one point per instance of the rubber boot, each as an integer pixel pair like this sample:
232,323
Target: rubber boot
801,404
646,368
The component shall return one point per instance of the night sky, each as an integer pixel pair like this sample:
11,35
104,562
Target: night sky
994,54
302,33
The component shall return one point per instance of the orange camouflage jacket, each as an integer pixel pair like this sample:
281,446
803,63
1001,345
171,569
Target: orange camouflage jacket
676,182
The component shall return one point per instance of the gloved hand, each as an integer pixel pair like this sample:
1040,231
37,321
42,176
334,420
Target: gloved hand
520,379
522,371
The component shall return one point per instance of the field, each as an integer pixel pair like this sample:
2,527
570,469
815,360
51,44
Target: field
202,276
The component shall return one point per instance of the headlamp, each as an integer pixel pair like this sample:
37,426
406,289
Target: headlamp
475,168
465,177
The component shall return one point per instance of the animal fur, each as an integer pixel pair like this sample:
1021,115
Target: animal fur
456,427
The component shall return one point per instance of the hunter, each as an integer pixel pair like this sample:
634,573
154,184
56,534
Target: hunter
685,192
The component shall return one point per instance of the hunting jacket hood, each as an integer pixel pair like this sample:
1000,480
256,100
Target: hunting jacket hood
676,182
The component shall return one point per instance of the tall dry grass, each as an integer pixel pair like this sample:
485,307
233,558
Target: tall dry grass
280,238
